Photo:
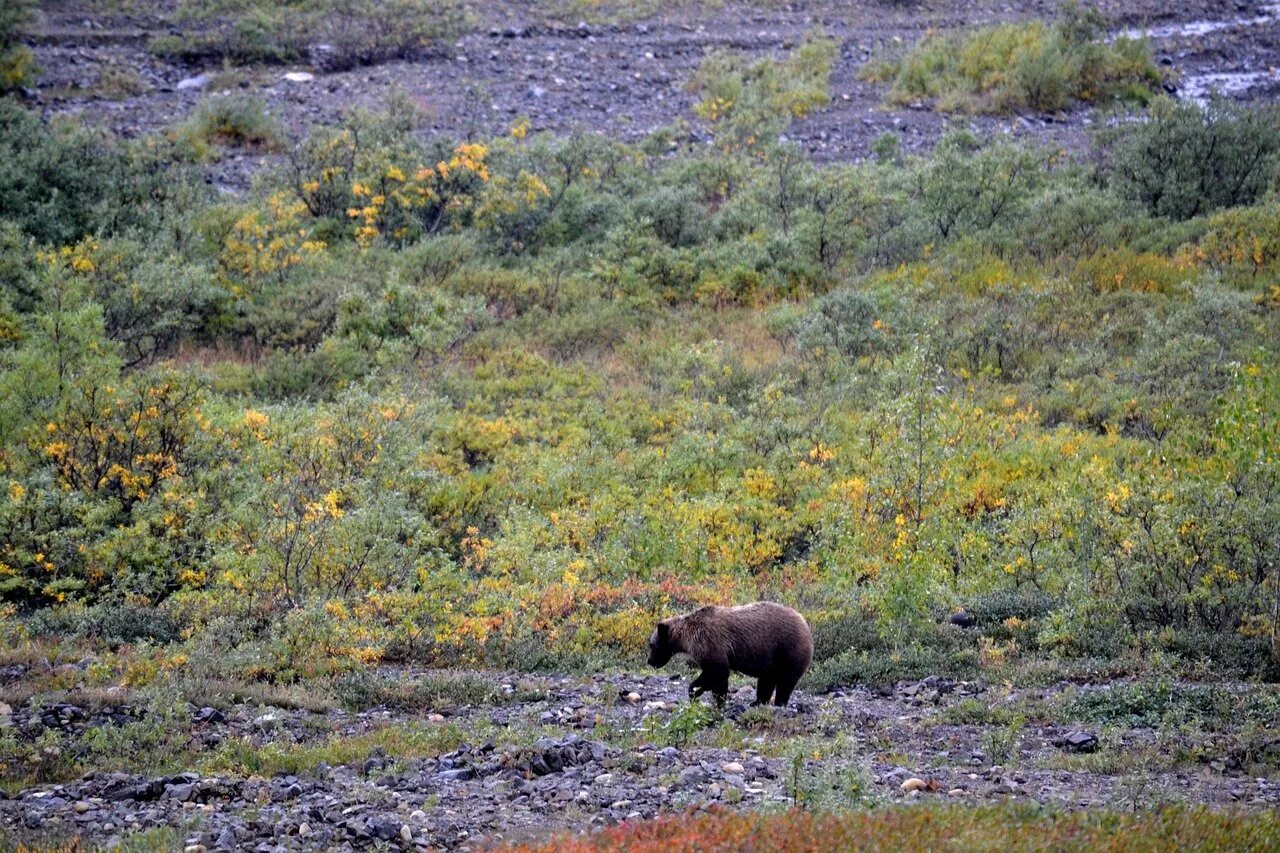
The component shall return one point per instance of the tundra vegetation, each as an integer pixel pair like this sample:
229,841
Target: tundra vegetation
501,403
1016,67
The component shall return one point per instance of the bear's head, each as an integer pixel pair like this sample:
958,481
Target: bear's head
661,648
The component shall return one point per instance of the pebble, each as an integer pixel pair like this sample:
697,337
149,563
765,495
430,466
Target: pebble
268,721
197,82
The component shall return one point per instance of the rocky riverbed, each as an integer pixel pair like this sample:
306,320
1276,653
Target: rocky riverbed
626,75
575,753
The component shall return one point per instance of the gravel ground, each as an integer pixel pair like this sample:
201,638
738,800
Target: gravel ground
628,78
577,753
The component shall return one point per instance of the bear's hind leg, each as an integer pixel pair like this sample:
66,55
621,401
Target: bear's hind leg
786,684
764,690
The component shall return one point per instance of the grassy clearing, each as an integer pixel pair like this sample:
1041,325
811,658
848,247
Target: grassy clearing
1020,67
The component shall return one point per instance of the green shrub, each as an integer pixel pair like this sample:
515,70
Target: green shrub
1229,654
748,104
851,629
118,82
844,323
352,32
999,605
367,31
158,742
61,181
1186,160
1243,243
884,667
682,726
1022,66
17,65
110,624
235,120
1164,703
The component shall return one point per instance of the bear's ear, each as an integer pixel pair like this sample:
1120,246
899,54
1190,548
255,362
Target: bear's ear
664,631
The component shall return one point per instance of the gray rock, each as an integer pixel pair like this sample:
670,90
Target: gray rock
691,776
198,82
384,828
1080,742
209,715
268,721
182,793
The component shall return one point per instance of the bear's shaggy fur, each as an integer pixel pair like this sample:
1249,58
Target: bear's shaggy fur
764,640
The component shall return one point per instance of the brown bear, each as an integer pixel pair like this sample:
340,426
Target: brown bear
764,640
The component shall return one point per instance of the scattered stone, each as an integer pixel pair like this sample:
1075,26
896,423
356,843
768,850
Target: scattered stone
898,774
268,721
384,828
734,767
198,82
209,715
298,76
1080,742
691,776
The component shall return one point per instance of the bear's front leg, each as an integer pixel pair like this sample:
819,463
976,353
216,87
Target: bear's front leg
715,679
